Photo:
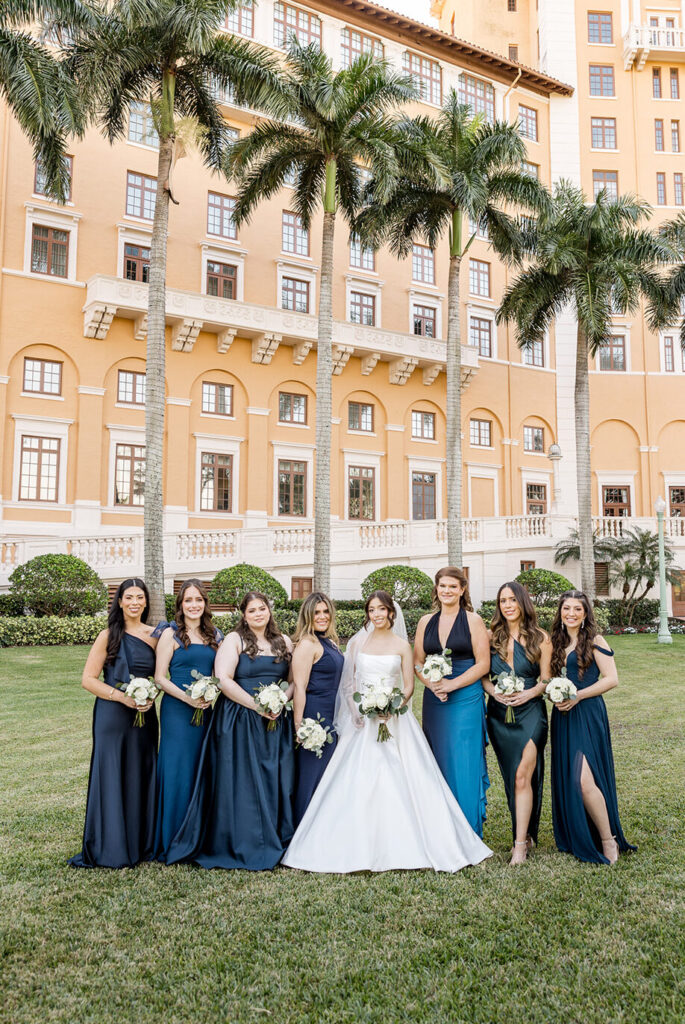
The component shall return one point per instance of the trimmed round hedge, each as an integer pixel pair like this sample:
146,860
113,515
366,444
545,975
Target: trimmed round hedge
410,587
229,586
61,585
543,585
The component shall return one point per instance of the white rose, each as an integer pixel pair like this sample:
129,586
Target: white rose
435,675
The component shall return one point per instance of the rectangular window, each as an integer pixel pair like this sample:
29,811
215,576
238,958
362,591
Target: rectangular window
294,23
479,278
39,470
141,127
136,263
292,408
675,136
361,256
220,210
676,502
603,132
480,433
612,356
607,181
301,587
423,264
217,398
292,488
129,474
659,134
536,499
141,195
527,566
221,279
528,122
42,377
480,335
660,188
533,439
532,170
423,319
423,424
362,309
361,492
601,80
295,295
678,189
423,495
675,84
513,51
534,354
479,95
427,75
360,416
669,353
49,251
294,236
354,43
240,21
40,182
511,5
599,28
616,501
216,482
656,83
131,387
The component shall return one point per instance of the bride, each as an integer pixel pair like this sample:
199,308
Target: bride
382,806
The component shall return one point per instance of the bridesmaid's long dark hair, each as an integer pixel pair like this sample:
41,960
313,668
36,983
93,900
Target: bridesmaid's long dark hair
458,574
531,637
207,627
272,633
586,635
115,617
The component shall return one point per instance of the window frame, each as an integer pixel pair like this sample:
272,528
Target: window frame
536,499
138,385
204,394
291,420
138,262
238,14
424,314
613,347
424,488
528,122
364,409
149,136
605,127
603,76
361,306
606,504
292,473
231,279
295,286
215,489
426,73
134,460
477,274
661,188
659,141
222,211
365,473
42,391
300,234
422,264
531,434
422,435
145,192
601,17
603,179
40,472
349,51
479,428
282,32
51,244
477,329
39,189
481,100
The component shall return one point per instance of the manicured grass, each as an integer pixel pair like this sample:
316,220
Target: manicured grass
553,941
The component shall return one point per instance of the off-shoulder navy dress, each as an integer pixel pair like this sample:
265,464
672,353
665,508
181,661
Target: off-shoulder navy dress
583,732
119,830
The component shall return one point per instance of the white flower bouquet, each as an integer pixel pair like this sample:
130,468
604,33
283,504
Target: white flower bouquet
142,690
271,697
381,698
204,688
506,684
436,666
560,689
313,735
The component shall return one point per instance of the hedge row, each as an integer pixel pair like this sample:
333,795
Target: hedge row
644,614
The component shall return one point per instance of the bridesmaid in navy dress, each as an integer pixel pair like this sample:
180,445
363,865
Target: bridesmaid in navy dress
191,642
317,668
454,707
119,830
519,645
584,803
241,811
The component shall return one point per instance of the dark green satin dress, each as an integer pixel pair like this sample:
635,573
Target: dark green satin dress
508,741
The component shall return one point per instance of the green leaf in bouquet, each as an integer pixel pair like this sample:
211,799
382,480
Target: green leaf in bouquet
356,696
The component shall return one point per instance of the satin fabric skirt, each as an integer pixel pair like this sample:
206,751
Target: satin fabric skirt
179,755
309,767
508,742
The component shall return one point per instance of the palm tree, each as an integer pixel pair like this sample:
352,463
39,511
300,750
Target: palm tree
568,550
455,166
38,91
596,259
337,120
171,53
635,566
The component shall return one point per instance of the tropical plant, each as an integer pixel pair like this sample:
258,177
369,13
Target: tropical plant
456,167
337,121
229,586
543,585
58,585
172,54
409,586
596,258
568,549
635,566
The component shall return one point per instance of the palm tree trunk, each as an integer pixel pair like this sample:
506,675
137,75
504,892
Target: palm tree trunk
324,374
584,478
453,411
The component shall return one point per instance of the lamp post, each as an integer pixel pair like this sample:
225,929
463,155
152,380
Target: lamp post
554,455
664,632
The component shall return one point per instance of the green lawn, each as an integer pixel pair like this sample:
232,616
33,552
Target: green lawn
553,941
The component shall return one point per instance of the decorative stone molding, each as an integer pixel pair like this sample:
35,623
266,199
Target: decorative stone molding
265,346
184,335
97,320
341,357
401,369
225,339
140,327
431,373
300,352
369,362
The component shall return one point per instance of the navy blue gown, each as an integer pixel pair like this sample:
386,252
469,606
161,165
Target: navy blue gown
180,745
119,830
241,810
583,732
324,680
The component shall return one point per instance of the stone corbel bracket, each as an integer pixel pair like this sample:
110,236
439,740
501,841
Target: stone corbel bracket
341,357
97,320
400,370
264,347
184,335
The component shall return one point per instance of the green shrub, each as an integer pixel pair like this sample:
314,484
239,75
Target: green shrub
543,585
644,613
58,585
28,631
11,605
410,587
229,586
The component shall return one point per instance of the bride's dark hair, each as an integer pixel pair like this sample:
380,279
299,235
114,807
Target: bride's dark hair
385,599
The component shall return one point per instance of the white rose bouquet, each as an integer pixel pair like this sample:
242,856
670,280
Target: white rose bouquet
271,697
313,735
560,689
204,688
380,698
142,690
506,684
436,666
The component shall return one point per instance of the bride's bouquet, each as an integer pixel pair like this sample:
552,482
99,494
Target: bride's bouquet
381,698
507,684
436,666
142,690
204,688
313,735
560,689
271,697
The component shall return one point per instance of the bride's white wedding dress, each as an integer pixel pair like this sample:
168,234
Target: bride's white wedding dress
383,806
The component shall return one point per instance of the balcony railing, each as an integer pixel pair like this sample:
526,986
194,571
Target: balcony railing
643,42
